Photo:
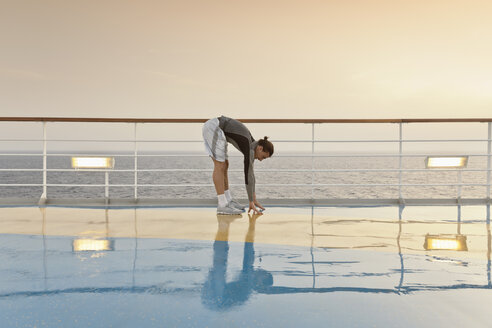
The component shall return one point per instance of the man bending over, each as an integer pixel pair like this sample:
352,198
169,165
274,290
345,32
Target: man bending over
217,133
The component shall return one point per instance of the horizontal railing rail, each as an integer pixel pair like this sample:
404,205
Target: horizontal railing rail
136,154
245,120
289,141
240,170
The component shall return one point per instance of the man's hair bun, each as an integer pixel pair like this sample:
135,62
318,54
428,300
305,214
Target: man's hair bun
267,145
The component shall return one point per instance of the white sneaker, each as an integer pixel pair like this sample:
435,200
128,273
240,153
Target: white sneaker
228,210
237,205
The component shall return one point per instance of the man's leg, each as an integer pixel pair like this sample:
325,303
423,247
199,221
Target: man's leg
226,178
227,192
219,176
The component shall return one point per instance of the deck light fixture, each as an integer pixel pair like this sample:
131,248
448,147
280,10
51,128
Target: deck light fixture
92,162
81,245
445,242
440,162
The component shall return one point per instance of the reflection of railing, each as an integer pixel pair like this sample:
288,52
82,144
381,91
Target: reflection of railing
400,141
346,267
403,288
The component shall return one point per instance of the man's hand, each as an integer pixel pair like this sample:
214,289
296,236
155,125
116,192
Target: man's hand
258,205
253,208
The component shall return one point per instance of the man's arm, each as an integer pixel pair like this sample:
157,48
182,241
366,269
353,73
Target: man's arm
250,184
253,203
257,203
249,178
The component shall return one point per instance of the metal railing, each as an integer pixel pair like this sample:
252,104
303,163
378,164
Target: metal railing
136,154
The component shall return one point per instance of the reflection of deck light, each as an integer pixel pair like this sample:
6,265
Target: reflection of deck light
442,242
92,162
81,245
446,162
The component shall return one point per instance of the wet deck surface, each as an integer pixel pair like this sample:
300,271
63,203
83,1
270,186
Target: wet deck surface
289,267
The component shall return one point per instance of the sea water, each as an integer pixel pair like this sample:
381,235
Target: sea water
271,181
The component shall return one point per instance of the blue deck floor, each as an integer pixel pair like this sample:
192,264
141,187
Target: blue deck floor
346,267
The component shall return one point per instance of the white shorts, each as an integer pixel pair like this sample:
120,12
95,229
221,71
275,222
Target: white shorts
215,140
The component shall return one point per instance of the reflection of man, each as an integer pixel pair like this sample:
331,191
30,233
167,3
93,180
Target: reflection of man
218,294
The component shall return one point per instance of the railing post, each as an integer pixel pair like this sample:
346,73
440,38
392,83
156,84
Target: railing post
312,162
44,195
458,199
400,160
106,187
459,219
489,141
135,157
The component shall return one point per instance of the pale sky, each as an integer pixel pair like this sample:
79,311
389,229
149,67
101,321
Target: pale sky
246,59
